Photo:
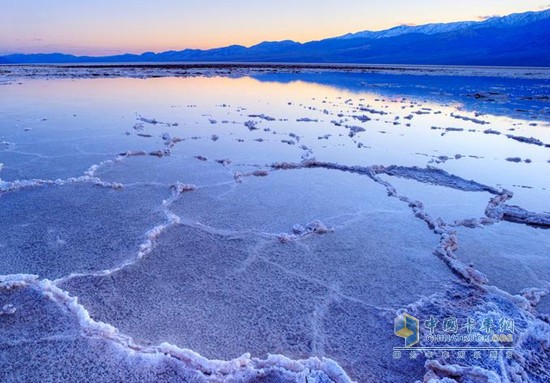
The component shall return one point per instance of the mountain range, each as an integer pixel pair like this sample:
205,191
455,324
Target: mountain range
521,39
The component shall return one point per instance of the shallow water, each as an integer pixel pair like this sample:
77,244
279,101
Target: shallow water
291,214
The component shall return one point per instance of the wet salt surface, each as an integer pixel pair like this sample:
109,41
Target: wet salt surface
454,206
288,214
56,341
513,257
272,295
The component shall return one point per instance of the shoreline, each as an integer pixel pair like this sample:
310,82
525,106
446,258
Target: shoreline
148,70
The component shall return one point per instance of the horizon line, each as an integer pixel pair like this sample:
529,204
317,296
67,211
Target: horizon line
480,19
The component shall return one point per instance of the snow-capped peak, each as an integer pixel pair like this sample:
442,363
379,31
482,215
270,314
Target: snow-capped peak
516,19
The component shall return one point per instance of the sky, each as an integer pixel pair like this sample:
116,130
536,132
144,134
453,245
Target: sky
105,27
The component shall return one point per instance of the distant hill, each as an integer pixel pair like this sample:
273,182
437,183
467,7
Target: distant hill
521,39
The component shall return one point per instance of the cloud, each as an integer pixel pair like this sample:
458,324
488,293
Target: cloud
483,18
35,40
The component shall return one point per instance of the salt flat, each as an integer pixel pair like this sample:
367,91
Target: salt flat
269,223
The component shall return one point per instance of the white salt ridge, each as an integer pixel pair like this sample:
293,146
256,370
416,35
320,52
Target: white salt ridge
91,172
225,162
535,294
528,140
251,125
146,247
262,116
539,330
8,309
182,188
362,118
152,121
470,119
491,131
449,240
13,186
438,177
88,177
426,175
517,214
131,153
442,373
513,159
234,370
353,130
372,111
298,231
498,210
260,173
158,153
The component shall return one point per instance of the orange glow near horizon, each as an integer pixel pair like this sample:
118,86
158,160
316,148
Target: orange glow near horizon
114,27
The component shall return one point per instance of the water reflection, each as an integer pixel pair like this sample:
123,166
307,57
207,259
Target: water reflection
58,128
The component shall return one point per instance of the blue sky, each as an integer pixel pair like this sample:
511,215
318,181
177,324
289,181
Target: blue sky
109,26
